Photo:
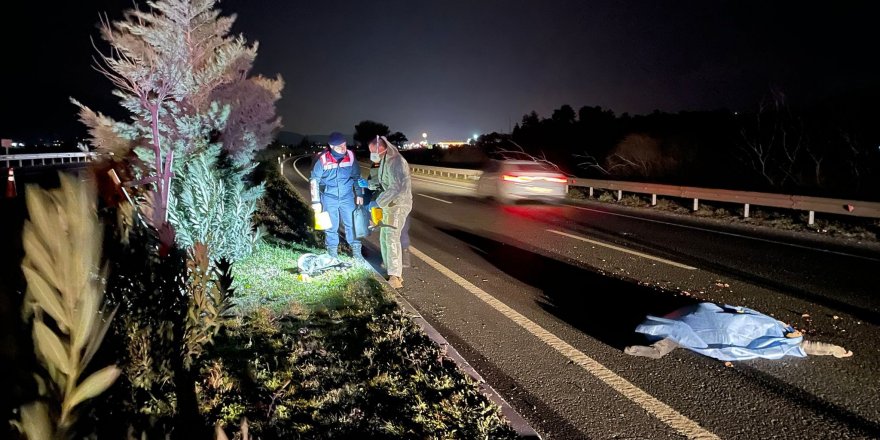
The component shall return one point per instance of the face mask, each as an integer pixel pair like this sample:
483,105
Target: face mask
375,157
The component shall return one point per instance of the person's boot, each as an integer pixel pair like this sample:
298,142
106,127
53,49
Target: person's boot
333,252
357,252
405,259
395,281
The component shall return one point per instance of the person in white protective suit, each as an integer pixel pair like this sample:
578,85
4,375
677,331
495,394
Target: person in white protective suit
395,199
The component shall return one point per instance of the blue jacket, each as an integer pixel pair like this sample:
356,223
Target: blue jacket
337,179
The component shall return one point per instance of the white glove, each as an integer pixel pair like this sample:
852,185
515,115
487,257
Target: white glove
317,207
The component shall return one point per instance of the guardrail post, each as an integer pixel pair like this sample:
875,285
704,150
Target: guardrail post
746,211
696,204
591,192
812,218
653,199
619,194
44,161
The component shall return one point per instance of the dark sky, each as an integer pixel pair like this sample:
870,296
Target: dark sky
453,68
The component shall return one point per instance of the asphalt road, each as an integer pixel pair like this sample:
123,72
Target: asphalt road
542,299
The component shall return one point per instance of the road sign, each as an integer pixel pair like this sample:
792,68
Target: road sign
5,143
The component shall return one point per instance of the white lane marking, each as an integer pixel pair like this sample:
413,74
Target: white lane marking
621,249
434,198
662,411
297,169
696,228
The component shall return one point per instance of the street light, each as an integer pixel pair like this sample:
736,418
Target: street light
425,138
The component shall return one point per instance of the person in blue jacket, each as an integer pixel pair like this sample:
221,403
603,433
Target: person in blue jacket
333,187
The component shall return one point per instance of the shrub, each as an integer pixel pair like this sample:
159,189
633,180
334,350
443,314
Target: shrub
211,205
64,296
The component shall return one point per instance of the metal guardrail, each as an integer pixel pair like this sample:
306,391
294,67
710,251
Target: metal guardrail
453,173
812,205
52,158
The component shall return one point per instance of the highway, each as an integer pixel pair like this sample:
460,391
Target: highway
542,299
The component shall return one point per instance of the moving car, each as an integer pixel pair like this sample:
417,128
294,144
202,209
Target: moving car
510,180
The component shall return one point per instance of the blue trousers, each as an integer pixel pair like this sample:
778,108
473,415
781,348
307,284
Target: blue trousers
340,210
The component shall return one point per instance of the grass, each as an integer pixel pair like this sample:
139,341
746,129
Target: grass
364,371
269,278
334,357
330,357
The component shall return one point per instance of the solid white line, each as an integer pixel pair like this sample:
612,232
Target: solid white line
297,169
662,411
629,251
696,228
434,198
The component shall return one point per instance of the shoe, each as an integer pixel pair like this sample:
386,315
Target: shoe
395,282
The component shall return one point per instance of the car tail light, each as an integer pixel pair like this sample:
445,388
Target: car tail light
559,179
515,178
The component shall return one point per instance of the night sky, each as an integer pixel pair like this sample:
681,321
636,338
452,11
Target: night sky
454,68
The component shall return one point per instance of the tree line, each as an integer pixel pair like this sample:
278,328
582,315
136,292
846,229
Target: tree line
829,148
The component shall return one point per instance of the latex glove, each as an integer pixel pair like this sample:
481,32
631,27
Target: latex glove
359,200
363,183
373,204
317,207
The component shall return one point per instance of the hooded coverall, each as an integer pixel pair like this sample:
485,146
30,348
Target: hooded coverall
336,180
396,203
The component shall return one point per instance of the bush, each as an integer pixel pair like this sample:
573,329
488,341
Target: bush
281,211
211,205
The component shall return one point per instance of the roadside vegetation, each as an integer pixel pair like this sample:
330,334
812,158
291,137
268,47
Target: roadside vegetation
162,296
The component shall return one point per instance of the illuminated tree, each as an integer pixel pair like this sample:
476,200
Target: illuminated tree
184,81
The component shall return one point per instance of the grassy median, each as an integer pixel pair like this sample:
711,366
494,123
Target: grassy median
332,357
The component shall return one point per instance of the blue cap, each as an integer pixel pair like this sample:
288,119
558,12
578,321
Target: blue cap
336,138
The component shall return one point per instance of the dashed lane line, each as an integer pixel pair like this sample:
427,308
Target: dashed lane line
655,407
434,198
621,249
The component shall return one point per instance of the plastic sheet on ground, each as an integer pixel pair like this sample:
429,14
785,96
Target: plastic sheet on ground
313,265
726,333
